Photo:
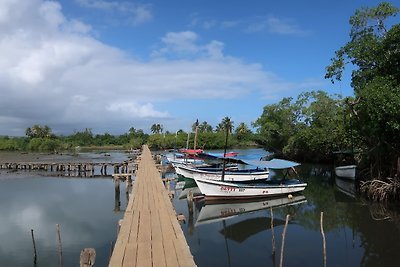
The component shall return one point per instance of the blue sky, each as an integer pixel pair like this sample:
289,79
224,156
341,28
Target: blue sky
111,65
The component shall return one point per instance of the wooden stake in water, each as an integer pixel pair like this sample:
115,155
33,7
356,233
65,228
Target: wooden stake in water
60,254
323,237
34,248
283,239
272,232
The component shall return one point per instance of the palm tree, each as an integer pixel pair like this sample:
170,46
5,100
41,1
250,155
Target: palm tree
225,124
156,128
242,130
204,127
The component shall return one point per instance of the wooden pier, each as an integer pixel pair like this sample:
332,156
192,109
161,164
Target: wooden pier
71,168
150,234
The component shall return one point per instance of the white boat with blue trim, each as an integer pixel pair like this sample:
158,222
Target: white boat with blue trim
231,175
218,189
224,189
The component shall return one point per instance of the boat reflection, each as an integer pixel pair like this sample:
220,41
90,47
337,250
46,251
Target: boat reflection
189,189
346,186
216,210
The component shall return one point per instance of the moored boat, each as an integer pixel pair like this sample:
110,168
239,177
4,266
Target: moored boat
231,175
347,171
224,190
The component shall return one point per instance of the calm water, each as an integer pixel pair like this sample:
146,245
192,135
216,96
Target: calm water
219,234
83,207
239,234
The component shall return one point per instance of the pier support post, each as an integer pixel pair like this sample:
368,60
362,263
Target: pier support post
117,202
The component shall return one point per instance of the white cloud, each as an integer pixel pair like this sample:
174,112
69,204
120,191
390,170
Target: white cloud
137,13
185,44
133,110
54,72
208,23
277,25
180,42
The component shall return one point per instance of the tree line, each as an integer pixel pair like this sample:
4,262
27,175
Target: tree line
42,138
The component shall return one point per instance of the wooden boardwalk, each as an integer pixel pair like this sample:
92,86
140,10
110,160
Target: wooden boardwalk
150,234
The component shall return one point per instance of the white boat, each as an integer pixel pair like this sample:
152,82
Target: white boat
244,175
347,171
224,190
178,158
213,212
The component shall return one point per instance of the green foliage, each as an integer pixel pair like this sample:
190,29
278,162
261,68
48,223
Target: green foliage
371,46
225,123
307,129
277,124
44,144
243,132
207,139
156,141
374,52
38,131
202,127
135,143
84,138
12,144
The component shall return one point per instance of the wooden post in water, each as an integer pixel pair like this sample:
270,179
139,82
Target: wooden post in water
190,209
283,239
272,232
88,257
117,204
323,237
34,249
60,254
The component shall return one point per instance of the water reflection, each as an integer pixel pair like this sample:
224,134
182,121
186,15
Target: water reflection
82,207
213,211
117,192
346,186
358,233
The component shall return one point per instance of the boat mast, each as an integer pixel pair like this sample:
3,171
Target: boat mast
226,144
195,134
187,141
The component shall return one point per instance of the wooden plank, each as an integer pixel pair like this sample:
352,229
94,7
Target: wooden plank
171,259
158,256
134,229
144,234
144,254
130,255
156,234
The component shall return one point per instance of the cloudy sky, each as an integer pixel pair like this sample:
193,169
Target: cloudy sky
110,65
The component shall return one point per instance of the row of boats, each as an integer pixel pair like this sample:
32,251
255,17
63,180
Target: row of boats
234,178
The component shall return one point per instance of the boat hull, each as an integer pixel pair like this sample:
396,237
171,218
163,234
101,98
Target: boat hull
223,190
229,176
348,171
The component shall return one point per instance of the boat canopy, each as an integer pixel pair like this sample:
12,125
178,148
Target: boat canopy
277,164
